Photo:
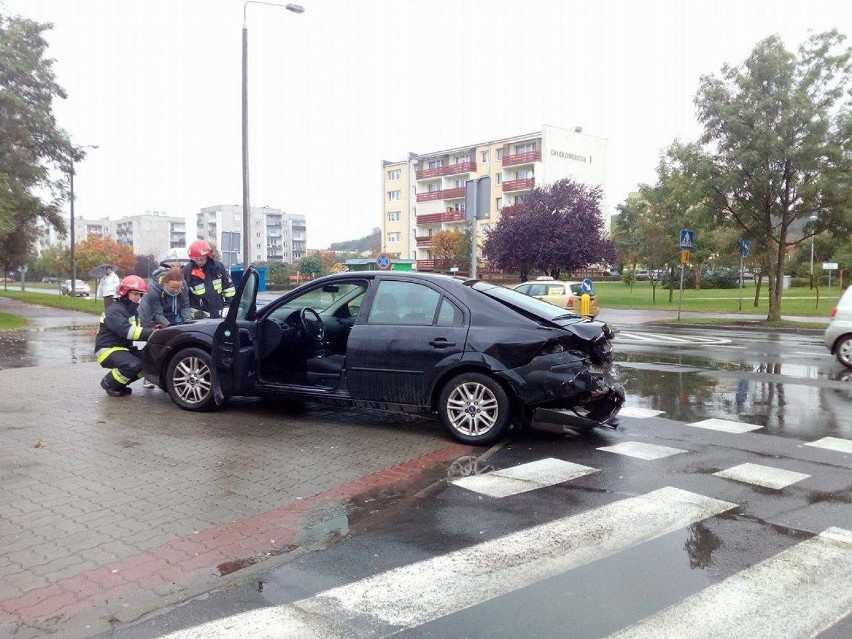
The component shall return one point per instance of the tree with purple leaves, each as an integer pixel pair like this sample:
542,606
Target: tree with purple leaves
557,228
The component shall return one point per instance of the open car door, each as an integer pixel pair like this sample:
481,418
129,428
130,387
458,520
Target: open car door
234,354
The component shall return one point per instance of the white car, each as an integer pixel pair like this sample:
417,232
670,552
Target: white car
838,335
81,289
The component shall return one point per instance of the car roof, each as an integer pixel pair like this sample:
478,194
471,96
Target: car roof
568,282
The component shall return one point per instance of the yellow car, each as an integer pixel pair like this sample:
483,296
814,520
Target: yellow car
565,294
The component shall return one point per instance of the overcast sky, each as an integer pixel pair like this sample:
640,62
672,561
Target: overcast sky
349,83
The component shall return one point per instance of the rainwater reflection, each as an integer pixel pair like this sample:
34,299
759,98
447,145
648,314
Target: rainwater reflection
47,345
792,399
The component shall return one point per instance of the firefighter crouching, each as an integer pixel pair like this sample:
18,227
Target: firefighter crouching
210,287
118,330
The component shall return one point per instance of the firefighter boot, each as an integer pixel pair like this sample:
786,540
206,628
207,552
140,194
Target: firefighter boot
113,387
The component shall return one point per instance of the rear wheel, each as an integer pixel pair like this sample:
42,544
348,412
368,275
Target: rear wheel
189,380
474,409
844,351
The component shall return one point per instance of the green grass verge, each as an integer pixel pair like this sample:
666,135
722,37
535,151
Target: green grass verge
794,301
81,304
749,323
11,322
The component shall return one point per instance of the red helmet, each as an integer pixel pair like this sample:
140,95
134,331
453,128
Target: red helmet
200,248
131,283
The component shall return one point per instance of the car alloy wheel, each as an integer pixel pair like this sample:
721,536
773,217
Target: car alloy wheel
474,409
189,380
844,351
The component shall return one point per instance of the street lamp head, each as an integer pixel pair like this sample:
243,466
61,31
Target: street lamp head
295,8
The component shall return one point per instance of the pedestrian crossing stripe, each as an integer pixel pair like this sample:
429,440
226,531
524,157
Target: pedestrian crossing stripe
765,476
418,593
725,426
524,478
641,450
799,592
641,413
659,338
833,443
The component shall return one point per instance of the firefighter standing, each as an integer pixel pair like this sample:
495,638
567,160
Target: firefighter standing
210,287
118,330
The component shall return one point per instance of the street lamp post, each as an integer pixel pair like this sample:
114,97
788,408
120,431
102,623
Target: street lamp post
812,218
294,8
71,184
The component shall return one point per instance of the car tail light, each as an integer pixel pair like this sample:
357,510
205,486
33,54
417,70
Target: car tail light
570,300
834,311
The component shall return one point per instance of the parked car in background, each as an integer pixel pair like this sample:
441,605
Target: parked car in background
49,280
563,294
838,333
481,356
81,289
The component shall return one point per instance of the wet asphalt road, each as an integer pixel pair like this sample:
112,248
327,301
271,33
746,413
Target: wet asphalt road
784,384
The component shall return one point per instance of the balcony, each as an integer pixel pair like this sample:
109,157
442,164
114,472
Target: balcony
437,218
522,158
452,169
423,241
443,265
518,185
446,194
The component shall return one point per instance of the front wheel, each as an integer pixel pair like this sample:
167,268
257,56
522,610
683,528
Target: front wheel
189,380
474,409
844,351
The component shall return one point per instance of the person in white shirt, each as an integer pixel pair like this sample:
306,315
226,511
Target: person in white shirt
107,285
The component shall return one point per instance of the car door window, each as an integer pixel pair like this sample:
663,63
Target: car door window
404,303
523,288
450,314
555,289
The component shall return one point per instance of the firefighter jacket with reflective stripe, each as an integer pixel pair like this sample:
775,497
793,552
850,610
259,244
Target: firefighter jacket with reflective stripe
119,328
210,286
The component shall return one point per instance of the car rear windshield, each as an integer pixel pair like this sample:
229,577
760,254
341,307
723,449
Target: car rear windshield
513,298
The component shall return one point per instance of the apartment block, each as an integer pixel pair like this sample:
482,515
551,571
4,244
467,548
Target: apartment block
151,233
83,227
425,193
274,234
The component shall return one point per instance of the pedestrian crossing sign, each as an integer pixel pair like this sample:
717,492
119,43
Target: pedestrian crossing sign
687,239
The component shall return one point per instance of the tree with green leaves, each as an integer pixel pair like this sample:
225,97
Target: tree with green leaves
777,147
311,264
33,147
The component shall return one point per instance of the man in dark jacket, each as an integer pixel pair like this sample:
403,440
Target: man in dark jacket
119,328
210,287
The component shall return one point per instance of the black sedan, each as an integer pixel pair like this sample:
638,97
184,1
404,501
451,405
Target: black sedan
482,356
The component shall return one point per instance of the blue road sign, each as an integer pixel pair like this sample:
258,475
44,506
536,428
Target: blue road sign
687,239
745,247
587,285
383,262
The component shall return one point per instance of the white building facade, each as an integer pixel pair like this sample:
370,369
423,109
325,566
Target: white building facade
151,233
274,234
426,193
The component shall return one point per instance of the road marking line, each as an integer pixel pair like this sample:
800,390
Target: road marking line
833,443
765,476
725,426
523,478
641,450
799,592
412,595
673,339
641,413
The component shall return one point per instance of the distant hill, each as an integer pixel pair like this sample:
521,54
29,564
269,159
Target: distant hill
371,243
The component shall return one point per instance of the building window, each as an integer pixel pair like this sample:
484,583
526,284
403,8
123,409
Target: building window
485,157
435,164
434,186
499,178
393,196
393,238
499,154
393,216
499,203
527,147
462,159
393,174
